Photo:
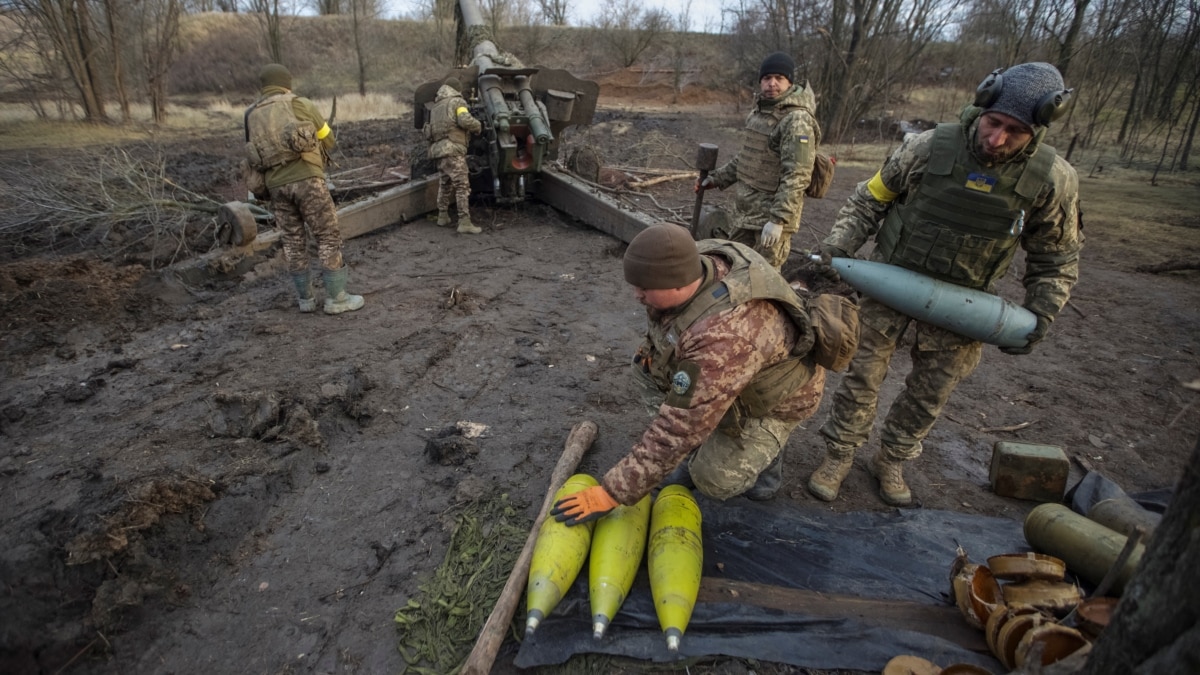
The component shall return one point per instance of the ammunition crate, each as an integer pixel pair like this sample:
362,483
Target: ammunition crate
1028,471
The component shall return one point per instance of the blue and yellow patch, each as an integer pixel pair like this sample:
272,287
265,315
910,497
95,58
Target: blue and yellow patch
980,182
803,139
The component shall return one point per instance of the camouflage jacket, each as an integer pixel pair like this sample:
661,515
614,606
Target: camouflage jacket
1052,234
722,352
301,169
793,137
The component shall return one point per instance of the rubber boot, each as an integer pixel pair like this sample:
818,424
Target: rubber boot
825,482
465,226
768,482
443,219
304,292
891,479
337,300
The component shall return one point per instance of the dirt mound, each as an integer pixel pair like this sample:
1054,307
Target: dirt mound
657,87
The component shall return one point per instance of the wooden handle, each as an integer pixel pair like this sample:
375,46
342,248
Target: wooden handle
490,638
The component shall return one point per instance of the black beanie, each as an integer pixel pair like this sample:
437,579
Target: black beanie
275,75
662,256
778,64
453,82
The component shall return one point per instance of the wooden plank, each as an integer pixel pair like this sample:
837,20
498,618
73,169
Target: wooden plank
397,205
589,205
943,621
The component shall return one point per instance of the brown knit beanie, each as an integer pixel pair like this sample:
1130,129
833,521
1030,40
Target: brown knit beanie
662,256
275,75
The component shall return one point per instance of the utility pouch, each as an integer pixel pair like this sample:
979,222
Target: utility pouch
835,322
822,177
255,180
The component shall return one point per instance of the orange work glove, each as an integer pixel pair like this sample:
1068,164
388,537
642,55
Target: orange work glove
583,506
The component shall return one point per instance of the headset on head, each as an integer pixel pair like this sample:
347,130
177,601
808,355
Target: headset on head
1049,107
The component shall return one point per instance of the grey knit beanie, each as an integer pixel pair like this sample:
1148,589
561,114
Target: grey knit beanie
1022,89
275,75
662,256
778,64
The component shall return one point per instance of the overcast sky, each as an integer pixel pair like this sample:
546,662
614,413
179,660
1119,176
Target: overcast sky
705,14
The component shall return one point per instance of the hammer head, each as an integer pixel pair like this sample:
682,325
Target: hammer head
706,157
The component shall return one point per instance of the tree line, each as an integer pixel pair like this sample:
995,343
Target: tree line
1135,64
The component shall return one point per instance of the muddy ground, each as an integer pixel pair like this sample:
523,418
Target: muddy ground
202,479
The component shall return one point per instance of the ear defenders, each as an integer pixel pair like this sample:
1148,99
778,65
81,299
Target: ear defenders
1050,107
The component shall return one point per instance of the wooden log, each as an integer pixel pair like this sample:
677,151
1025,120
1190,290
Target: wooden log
479,662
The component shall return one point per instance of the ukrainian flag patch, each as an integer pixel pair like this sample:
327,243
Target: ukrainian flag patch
803,139
980,182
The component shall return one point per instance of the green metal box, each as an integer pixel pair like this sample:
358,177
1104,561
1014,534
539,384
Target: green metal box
1029,471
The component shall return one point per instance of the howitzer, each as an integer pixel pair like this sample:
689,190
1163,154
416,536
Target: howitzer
523,110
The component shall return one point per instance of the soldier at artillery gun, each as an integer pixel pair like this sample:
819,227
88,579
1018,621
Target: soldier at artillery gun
523,110
448,131
286,142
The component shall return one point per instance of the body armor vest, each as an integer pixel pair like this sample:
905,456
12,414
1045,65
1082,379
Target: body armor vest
749,278
757,165
274,136
963,221
443,122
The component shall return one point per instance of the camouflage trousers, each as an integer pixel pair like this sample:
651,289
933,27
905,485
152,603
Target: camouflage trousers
724,466
454,185
941,359
745,228
307,203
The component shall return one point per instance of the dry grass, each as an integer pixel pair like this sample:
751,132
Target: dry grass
20,128
350,108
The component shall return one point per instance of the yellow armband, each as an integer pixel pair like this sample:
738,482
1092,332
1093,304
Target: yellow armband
325,131
880,191
460,110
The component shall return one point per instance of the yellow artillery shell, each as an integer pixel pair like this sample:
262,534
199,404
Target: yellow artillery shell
617,547
558,556
676,559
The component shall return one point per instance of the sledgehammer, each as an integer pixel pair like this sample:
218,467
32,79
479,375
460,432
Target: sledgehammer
706,160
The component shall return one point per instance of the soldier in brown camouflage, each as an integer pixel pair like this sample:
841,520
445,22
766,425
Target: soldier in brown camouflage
726,367
288,138
774,166
448,131
955,203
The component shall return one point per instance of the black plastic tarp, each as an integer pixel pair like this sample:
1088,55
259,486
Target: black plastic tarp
900,555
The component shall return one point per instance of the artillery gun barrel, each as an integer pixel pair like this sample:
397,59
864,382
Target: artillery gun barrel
536,123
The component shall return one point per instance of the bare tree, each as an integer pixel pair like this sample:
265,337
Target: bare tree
554,11
269,14
629,29
497,13
678,52
116,29
71,33
362,14
159,35
1156,627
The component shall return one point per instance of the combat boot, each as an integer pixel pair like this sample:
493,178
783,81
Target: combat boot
443,219
337,300
304,291
891,479
825,482
465,226
768,482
